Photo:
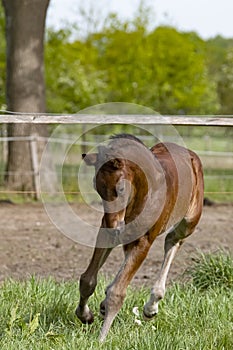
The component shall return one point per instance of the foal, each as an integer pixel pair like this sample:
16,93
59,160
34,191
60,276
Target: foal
144,193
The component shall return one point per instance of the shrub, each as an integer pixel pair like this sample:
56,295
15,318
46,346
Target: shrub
212,270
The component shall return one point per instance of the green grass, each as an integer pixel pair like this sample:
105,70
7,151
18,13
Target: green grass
212,271
209,143
219,184
39,314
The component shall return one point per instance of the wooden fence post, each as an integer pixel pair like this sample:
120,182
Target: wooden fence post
35,165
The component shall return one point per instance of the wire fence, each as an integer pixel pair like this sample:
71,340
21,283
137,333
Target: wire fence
218,166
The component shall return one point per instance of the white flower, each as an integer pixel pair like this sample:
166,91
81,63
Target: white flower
136,311
138,322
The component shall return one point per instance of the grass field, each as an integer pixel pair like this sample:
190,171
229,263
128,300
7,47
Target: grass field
195,315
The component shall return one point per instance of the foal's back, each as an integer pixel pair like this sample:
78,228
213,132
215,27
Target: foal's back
184,179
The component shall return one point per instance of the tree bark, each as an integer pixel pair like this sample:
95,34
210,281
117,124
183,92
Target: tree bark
25,87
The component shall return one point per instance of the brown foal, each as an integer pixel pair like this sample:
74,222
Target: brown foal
144,193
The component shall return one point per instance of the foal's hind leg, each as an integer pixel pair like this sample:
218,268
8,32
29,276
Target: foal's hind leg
173,241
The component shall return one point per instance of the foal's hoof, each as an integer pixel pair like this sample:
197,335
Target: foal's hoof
147,317
102,310
85,317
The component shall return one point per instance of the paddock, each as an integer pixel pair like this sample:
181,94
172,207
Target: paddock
31,244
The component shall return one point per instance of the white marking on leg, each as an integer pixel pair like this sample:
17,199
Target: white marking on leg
158,291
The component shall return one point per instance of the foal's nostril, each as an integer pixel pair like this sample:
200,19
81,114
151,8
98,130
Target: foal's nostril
121,187
120,226
120,190
117,231
148,317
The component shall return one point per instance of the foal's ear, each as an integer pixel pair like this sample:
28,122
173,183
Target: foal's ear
90,159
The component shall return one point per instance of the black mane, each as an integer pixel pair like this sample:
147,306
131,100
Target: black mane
118,142
125,136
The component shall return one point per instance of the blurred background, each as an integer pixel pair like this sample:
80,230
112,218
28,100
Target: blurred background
175,59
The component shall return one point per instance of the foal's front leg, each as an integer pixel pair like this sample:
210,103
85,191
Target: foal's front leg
135,254
88,282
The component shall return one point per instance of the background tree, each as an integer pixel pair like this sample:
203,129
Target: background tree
225,84
126,61
116,60
162,69
73,81
25,23
2,59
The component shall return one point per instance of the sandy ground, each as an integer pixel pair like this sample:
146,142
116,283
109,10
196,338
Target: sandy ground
31,244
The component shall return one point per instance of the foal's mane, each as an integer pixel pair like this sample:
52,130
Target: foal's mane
125,137
117,144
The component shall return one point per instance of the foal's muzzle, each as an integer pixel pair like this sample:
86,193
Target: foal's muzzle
120,227
114,234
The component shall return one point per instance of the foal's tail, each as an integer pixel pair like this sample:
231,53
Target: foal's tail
197,197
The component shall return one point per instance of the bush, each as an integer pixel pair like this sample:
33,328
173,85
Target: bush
212,270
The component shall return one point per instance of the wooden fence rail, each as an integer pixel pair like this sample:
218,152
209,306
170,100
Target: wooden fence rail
216,120
99,119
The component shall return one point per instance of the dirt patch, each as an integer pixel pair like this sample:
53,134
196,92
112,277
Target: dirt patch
30,244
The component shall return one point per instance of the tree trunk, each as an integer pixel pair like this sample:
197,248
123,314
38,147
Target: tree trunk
25,90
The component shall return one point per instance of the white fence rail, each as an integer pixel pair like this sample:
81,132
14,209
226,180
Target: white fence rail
215,120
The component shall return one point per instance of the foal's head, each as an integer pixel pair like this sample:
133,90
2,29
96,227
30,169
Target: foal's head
116,178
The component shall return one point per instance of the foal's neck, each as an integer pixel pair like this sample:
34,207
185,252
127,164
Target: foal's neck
139,192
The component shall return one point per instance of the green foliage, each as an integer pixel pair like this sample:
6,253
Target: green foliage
225,83
39,314
219,60
212,271
72,82
216,49
132,61
125,61
180,73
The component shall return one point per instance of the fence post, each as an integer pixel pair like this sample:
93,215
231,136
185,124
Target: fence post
35,165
